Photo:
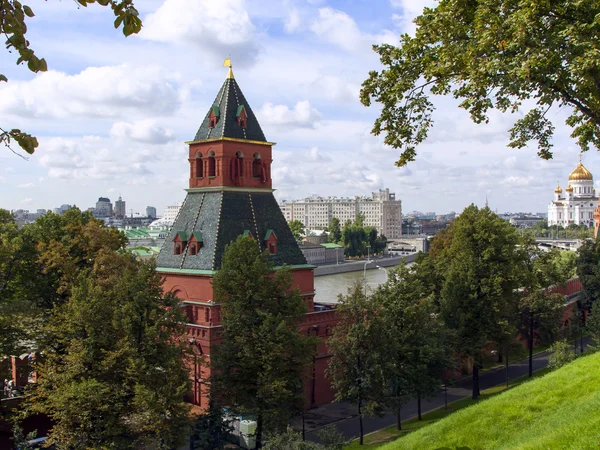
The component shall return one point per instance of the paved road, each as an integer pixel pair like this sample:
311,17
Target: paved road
344,415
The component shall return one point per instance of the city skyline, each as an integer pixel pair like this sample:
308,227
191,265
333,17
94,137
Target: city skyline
112,114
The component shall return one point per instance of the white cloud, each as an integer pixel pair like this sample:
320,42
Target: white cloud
338,28
26,185
2,180
292,21
146,131
315,155
216,27
109,91
337,89
409,9
26,201
303,115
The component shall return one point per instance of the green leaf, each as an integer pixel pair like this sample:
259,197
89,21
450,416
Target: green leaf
3,78
118,21
43,65
28,11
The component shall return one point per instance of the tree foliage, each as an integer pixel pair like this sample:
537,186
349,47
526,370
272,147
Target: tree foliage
492,55
113,374
259,365
210,430
480,270
39,265
358,354
335,232
14,17
561,353
588,270
297,228
360,240
416,344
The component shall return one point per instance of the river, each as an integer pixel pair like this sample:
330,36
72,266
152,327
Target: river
328,287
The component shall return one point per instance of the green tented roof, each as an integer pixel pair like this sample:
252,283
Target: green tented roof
269,233
182,236
197,235
240,108
215,110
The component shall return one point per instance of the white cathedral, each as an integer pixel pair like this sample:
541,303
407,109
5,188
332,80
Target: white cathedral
579,202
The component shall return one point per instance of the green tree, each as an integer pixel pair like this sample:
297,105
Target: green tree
335,232
358,354
561,353
113,372
297,228
259,365
588,271
480,281
593,326
418,354
210,430
540,312
13,25
39,264
492,55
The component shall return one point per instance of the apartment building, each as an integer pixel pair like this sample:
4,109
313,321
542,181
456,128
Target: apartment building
381,211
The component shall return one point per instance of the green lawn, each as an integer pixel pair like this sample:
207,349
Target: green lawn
379,438
560,410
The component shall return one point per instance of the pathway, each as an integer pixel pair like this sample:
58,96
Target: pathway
343,415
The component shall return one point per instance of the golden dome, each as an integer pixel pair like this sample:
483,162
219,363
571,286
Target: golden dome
580,173
569,188
558,190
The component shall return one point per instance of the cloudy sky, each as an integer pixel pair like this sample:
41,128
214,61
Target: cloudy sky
112,113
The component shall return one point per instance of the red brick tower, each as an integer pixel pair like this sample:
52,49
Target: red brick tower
229,195
597,220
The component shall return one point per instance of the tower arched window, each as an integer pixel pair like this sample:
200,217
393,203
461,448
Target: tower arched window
199,166
211,164
239,164
256,166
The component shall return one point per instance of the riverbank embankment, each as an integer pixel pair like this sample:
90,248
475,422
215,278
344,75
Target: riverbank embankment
355,266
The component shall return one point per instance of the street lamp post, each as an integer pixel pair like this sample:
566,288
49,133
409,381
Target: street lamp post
365,275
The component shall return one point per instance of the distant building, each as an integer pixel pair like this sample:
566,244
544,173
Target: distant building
120,210
62,209
171,213
381,211
104,208
579,202
524,221
328,253
151,212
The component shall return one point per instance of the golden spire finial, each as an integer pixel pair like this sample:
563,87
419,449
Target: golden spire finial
226,63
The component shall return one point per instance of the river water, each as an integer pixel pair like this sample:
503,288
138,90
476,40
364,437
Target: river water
328,287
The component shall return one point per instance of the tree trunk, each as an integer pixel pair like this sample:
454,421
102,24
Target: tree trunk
259,430
419,406
499,357
506,368
360,422
530,345
475,393
398,419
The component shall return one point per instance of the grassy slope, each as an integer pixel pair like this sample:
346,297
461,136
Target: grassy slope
558,411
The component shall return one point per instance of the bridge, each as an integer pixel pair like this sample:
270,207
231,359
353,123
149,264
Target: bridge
563,244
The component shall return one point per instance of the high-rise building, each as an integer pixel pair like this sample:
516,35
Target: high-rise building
104,208
151,212
579,202
120,211
381,211
230,195
171,213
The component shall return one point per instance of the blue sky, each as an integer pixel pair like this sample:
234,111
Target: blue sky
113,113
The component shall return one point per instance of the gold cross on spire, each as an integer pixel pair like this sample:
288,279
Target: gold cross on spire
226,63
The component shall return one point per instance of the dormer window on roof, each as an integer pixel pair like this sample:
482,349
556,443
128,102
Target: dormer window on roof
179,242
213,116
242,116
271,242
